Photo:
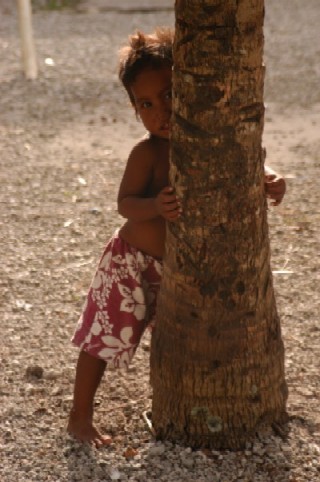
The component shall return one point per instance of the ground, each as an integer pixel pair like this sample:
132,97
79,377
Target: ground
64,139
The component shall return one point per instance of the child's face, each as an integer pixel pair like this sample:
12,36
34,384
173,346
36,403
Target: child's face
152,96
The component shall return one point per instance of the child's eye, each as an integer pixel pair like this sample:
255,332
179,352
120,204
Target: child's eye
168,95
145,105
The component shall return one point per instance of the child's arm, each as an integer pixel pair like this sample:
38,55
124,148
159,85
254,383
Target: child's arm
275,185
132,201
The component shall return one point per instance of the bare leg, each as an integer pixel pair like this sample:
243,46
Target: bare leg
88,376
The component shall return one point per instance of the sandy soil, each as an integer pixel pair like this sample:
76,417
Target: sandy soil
64,139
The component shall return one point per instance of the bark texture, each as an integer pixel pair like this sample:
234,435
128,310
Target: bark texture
217,358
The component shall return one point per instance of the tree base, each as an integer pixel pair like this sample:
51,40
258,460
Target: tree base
232,440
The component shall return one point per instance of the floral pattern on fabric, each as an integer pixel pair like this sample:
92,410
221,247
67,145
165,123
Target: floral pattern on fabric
120,305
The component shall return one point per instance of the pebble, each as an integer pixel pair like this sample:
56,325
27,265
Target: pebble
158,449
56,391
51,375
115,474
189,463
95,211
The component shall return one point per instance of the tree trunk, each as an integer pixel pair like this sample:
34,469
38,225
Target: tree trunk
217,357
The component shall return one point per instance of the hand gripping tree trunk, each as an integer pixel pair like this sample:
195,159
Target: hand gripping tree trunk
217,361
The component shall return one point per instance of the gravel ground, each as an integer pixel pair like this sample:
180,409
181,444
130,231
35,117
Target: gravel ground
64,139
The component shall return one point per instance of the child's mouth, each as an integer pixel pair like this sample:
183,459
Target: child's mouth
165,127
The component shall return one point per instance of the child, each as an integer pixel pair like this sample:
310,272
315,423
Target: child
122,298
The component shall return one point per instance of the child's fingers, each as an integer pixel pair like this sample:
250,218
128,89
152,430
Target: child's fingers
169,199
276,198
168,194
169,204
173,216
275,192
167,190
171,208
172,211
270,177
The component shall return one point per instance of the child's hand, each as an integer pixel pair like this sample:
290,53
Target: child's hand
167,204
275,187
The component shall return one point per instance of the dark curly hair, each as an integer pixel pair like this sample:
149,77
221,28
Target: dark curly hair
145,51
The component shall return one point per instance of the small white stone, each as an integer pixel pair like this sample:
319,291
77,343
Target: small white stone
157,449
187,462
115,474
56,391
51,375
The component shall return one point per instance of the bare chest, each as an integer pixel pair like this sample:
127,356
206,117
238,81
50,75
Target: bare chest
160,177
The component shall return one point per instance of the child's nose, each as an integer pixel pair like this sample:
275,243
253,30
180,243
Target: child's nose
166,108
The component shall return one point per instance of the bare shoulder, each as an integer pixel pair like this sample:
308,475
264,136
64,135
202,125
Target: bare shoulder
145,151
139,171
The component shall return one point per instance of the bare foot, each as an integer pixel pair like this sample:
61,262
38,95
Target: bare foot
82,429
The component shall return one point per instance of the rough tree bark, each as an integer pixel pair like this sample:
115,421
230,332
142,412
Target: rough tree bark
217,357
